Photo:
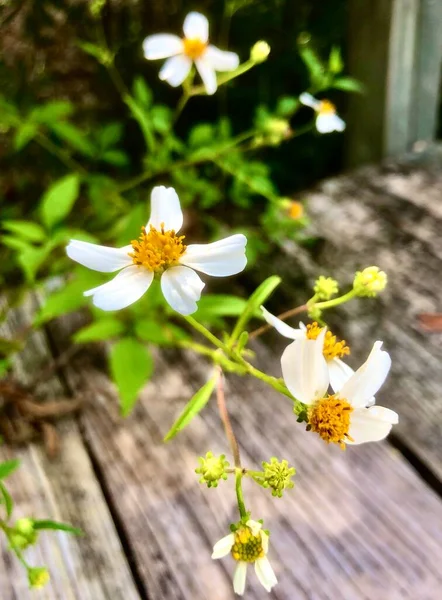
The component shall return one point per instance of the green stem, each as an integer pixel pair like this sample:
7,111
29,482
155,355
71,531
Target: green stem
60,153
225,77
335,301
205,332
239,494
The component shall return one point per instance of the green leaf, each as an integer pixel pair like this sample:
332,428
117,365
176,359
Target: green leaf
131,366
101,54
5,365
8,467
31,259
201,135
313,64
110,135
149,330
58,200
335,62
192,408
51,111
74,137
26,230
11,241
54,525
142,92
140,115
221,305
69,298
24,134
286,106
348,84
104,329
115,157
161,118
6,499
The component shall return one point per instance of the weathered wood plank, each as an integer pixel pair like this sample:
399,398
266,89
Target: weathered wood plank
65,489
389,216
359,524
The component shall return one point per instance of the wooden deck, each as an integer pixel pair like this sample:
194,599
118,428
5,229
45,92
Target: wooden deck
363,524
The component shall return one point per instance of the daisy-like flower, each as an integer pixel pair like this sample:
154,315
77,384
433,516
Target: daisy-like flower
326,120
193,48
333,351
343,417
248,544
159,251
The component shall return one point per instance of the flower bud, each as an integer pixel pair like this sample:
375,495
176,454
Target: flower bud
38,577
212,469
369,282
325,287
23,534
259,52
277,476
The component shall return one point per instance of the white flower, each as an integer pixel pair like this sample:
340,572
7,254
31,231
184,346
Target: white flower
338,370
248,544
195,47
159,250
344,417
327,120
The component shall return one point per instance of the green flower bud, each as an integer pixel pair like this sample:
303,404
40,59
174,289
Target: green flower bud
277,476
38,577
259,52
325,287
277,130
369,282
314,313
212,469
23,534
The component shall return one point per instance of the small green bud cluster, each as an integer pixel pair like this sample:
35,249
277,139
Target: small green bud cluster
325,288
212,469
38,577
277,476
22,534
369,282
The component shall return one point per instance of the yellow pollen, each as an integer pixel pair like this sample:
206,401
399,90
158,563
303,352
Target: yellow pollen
194,48
157,250
296,210
332,348
247,547
330,417
327,108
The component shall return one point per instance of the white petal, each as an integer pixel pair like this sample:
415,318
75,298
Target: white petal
219,259
371,424
99,258
124,289
239,578
265,573
329,122
207,74
305,370
175,70
221,60
182,289
162,45
339,373
165,209
255,526
223,546
265,541
281,327
366,381
196,27
308,100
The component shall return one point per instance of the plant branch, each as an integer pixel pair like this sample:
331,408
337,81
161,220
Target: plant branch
223,413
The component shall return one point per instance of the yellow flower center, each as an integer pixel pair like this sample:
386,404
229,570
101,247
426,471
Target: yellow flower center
332,348
247,547
296,210
326,108
157,250
330,417
194,48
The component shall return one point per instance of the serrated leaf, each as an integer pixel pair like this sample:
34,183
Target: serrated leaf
6,499
26,230
24,134
73,136
104,329
54,525
8,467
131,366
348,84
58,200
192,408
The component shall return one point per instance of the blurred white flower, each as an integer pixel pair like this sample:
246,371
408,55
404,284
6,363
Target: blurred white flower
159,251
248,544
344,417
326,120
193,48
339,372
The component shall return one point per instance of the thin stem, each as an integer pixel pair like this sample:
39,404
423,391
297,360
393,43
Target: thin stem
222,408
204,331
60,153
239,494
225,77
283,316
180,106
335,301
